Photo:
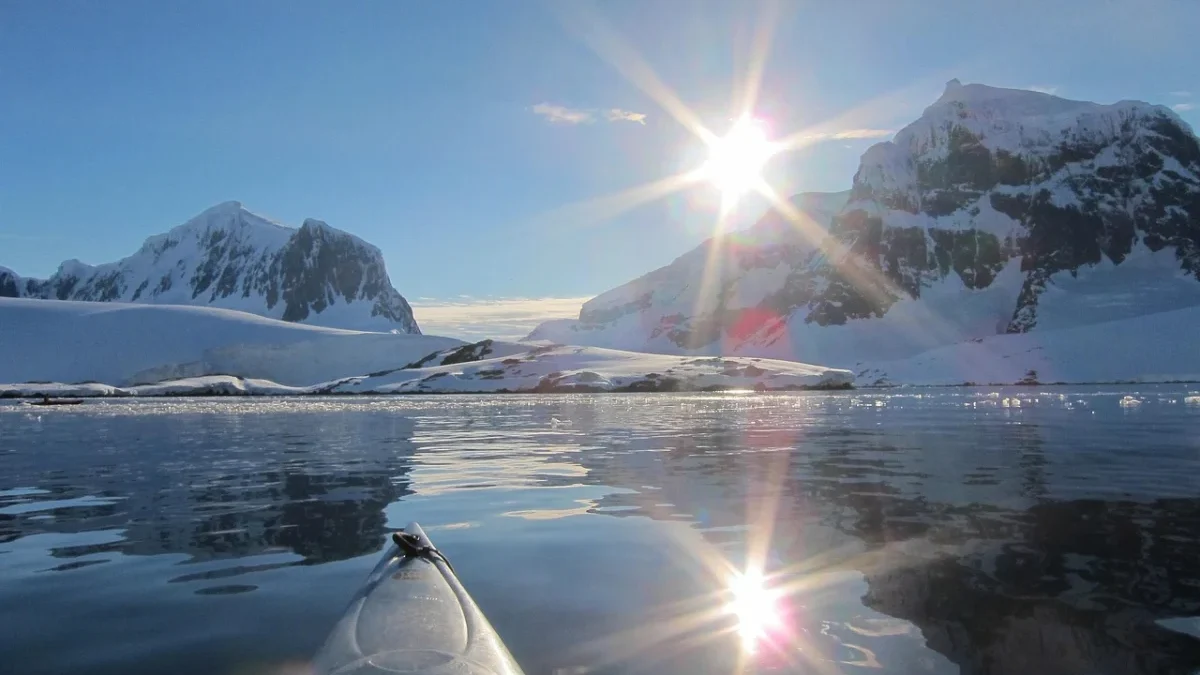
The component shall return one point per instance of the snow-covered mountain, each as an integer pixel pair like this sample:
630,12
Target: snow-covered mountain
730,273
231,258
120,343
998,211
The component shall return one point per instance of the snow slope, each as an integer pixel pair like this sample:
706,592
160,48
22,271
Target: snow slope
1156,348
231,258
546,369
211,385
562,368
123,343
997,211
734,270
67,348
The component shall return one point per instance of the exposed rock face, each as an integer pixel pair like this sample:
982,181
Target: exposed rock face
13,285
966,218
231,258
988,175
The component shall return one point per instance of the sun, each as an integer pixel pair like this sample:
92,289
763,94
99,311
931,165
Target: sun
736,160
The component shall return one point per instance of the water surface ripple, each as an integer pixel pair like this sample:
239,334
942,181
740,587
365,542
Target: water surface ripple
1020,530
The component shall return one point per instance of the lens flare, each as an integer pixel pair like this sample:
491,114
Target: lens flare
756,607
736,160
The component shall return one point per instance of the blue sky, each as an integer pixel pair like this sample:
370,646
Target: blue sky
466,138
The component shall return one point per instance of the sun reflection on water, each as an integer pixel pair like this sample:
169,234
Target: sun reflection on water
756,606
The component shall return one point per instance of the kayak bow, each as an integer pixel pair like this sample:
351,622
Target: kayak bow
414,616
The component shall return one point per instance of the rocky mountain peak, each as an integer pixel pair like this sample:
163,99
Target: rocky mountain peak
228,256
228,208
953,88
315,225
1057,183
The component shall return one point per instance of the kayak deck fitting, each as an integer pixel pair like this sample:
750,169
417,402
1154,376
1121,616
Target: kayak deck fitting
414,616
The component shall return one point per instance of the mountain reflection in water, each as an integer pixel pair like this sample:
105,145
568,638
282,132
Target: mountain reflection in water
927,531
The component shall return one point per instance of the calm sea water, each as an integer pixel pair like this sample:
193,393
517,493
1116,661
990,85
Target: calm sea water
1022,530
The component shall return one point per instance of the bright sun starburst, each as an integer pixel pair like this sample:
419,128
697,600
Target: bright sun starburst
755,605
736,160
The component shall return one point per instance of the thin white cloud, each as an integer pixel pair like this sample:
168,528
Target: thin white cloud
845,135
618,115
1044,88
1181,94
561,114
1183,107
474,319
863,133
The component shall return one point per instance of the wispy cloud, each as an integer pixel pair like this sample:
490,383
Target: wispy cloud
561,114
471,318
1044,88
618,115
1185,106
843,135
863,133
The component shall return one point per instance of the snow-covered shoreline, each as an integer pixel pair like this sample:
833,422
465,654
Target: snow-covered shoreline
562,368
1141,350
88,349
223,386
212,385
545,369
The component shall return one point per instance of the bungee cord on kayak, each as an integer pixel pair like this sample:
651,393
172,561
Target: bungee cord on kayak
412,547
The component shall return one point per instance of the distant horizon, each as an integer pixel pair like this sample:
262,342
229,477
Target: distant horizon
517,148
